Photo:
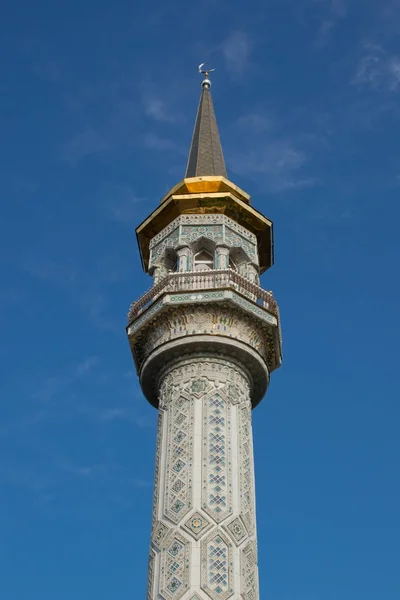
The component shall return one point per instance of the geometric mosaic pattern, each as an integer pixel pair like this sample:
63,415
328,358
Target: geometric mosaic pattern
237,530
216,566
195,494
246,481
190,228
197,525
175,564
161,530
217,472
178,485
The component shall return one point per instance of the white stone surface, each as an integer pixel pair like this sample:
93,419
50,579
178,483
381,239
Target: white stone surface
204,490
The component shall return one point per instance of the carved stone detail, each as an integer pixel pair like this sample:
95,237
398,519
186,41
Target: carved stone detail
187,230
213,319
197,525
249,571
151,573
161,530
246,478
236,530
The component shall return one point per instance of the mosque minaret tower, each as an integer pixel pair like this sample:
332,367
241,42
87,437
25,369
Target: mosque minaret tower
205,340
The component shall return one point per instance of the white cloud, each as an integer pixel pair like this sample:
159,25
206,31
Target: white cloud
377,69
156,142
52,386
84,144
334,10
255,122
237,49
277,163
156,109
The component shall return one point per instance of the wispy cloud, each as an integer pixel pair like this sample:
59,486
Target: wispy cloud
156,109
50,387
267,155
155,142
332,12
279,164
84,144
237,49
377,69
88,286
255,123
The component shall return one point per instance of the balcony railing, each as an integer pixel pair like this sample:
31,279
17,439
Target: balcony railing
205,280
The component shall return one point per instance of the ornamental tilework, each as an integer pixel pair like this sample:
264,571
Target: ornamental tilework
246,480
217,468
161,530
178,484
214,319
185,230
216,566
236,530
150,585
156,493
218,388
249,571
197,525
175,567
169,242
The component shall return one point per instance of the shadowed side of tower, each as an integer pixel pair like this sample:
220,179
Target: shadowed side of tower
205,339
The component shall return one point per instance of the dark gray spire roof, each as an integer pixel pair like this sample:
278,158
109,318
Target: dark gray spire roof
205,156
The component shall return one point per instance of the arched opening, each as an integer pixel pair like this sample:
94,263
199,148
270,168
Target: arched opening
203,261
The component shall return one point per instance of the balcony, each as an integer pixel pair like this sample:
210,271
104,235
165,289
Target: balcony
205,280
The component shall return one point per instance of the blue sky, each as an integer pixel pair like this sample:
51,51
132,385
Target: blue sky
98,101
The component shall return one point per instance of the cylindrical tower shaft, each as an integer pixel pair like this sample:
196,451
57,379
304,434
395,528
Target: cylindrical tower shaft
203,537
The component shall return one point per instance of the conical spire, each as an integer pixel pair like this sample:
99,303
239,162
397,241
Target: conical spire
205,156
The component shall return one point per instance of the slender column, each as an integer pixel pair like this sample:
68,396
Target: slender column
204,539
221,257
184,256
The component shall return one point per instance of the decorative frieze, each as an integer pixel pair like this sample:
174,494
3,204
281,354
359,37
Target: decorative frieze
187,230
213,319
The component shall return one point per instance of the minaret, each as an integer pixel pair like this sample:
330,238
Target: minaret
204,339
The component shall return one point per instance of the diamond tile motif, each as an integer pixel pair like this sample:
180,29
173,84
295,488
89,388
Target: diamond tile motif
180,436
197,525
177,485
216,566
178,466
175,548
175,567
160,533
177,506
216,466
236,530
174,585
